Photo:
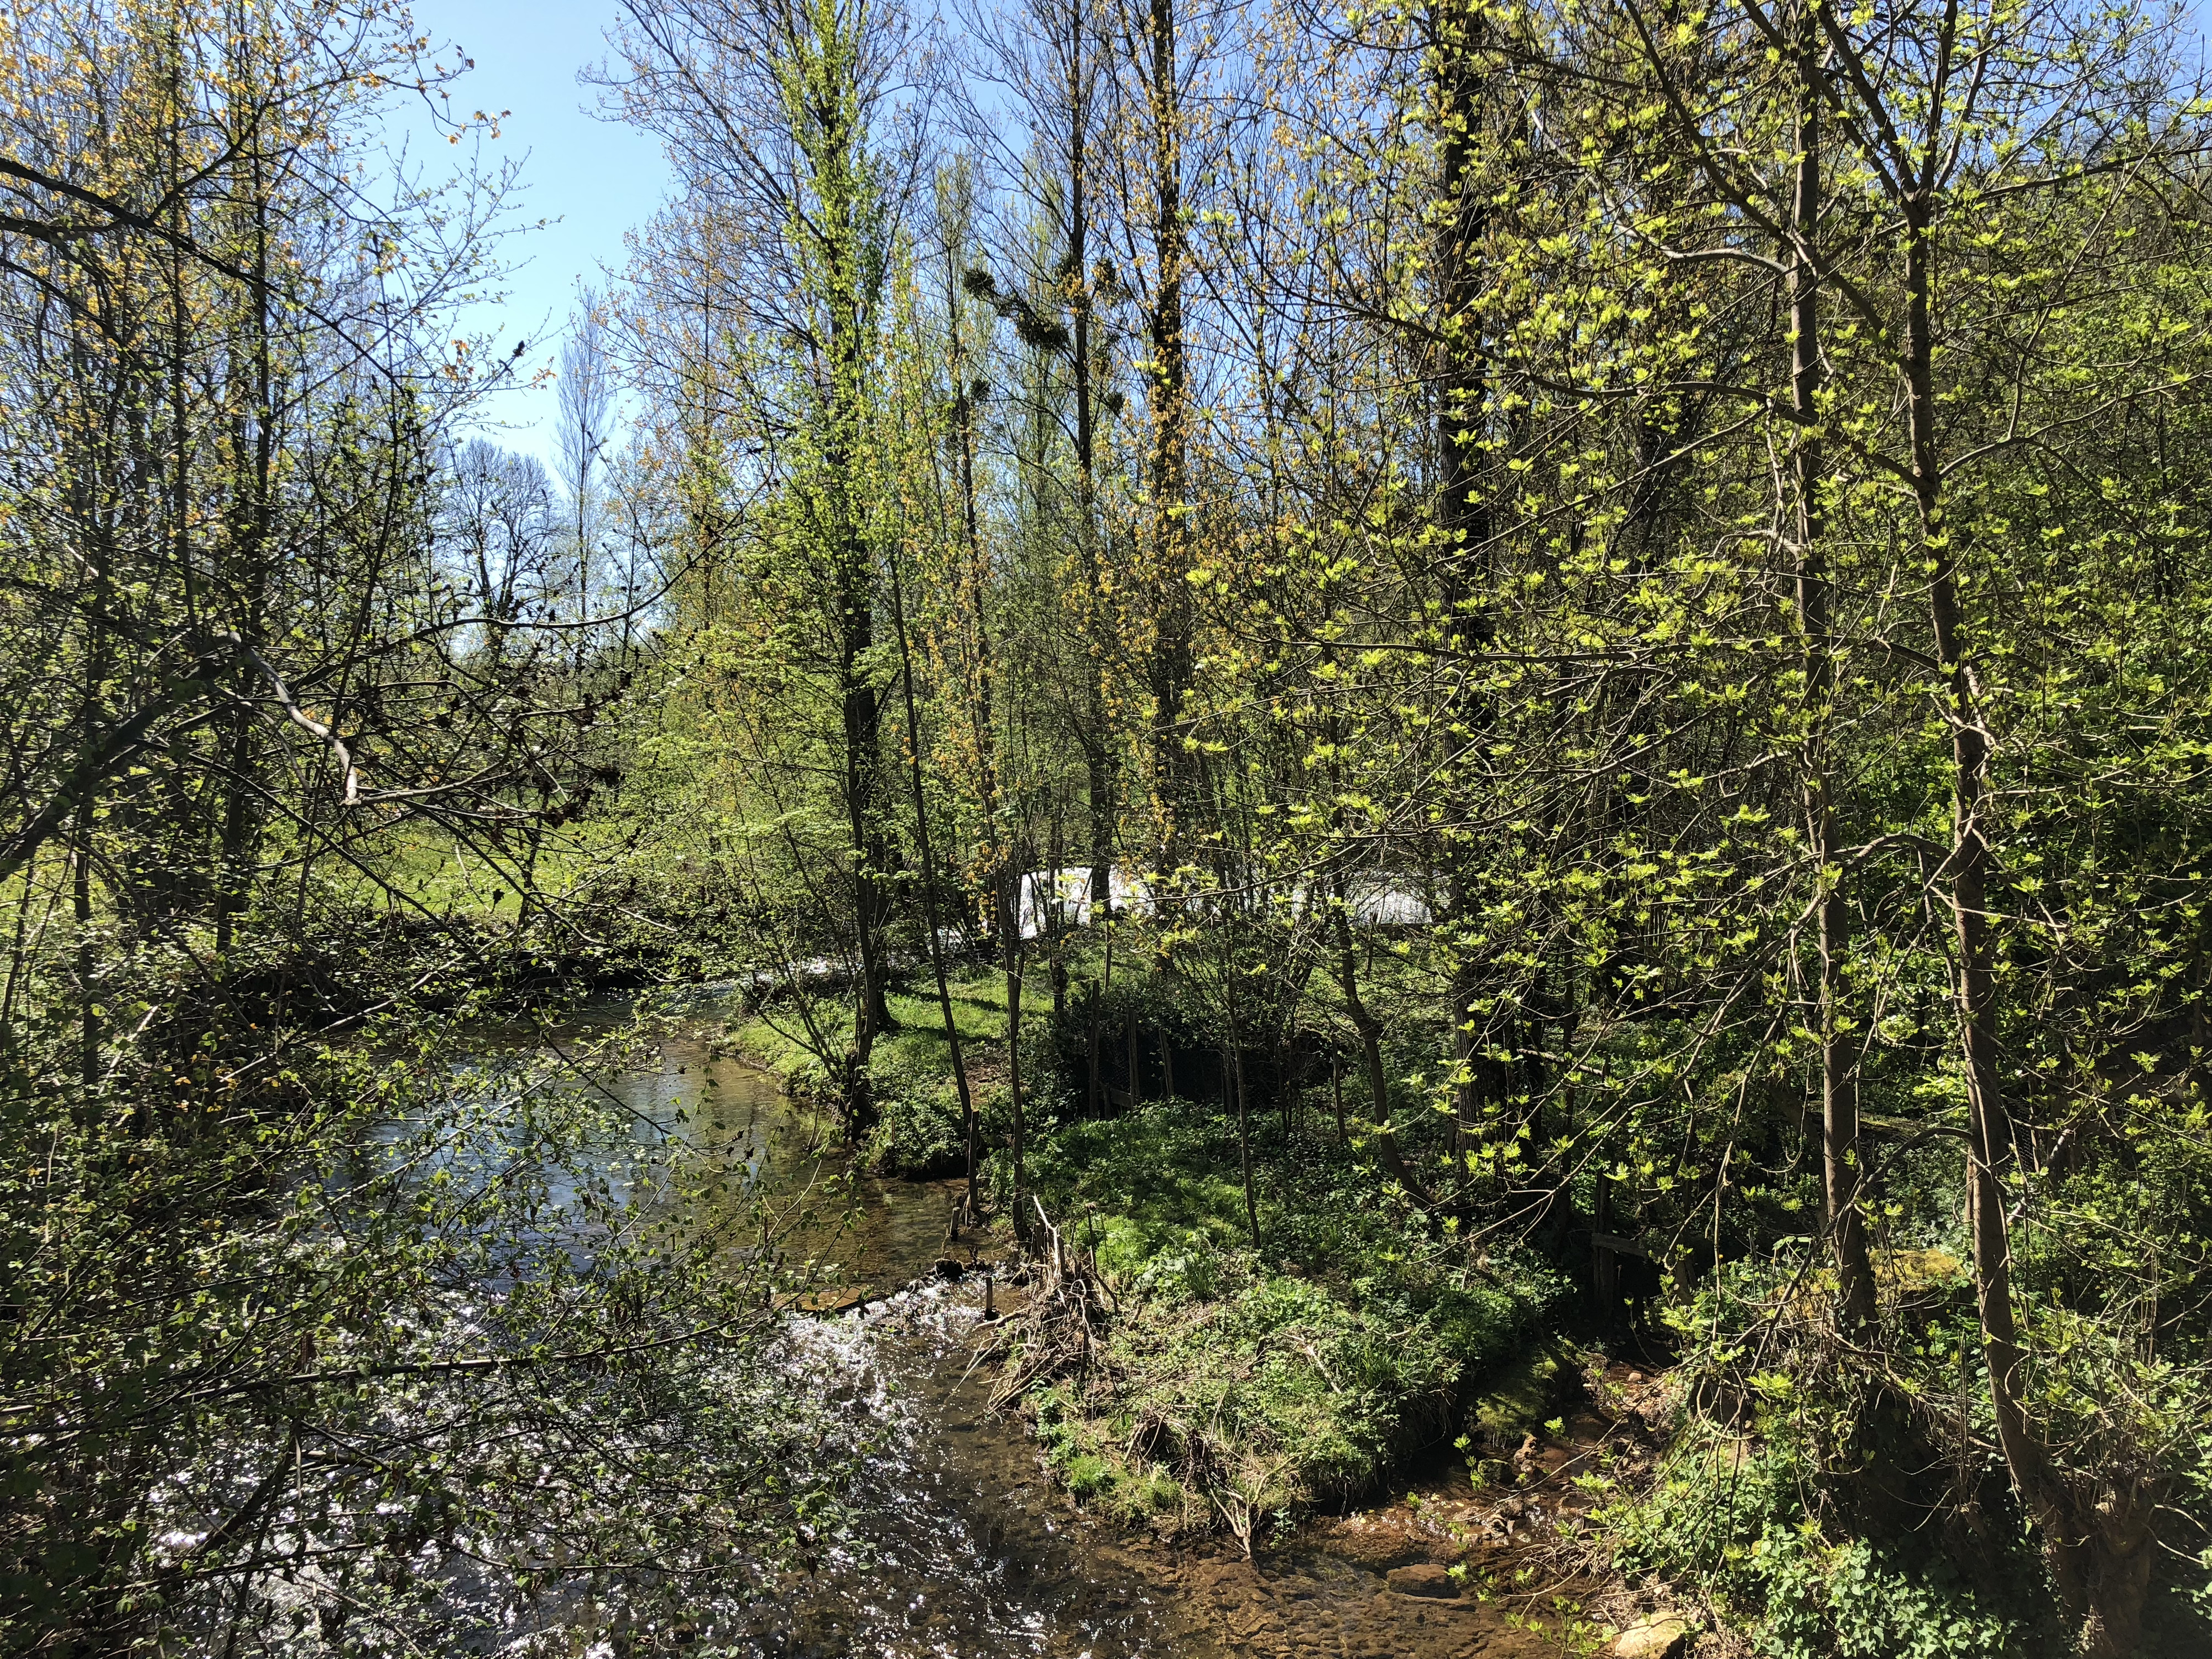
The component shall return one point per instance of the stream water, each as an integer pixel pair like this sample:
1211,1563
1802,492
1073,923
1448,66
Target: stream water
958,1546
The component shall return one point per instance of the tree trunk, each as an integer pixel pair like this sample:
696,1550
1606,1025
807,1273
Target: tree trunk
2100,1543
1098,758
1370,1047
970,1208
1171,657
1840,1117
853,596
1457,32
1245,1135
1013,967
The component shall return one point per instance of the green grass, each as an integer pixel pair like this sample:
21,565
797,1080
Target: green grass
978,1009
441,878
1240,1388
771,1043
919,1130
1234,1395
1154,1182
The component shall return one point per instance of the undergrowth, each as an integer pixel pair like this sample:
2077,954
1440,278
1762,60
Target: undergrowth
1728,1513
1240,1387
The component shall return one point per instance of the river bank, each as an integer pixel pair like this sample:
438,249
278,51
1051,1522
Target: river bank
983,1543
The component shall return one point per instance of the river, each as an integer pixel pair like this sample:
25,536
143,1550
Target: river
957,1545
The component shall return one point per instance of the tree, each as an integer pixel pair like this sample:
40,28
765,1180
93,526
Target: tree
269,636
587,394
776,120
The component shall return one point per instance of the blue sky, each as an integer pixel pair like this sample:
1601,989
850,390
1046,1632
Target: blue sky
593,179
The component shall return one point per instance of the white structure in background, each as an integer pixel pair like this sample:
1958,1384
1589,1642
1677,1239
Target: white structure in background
1069,892
1387,901
1374,901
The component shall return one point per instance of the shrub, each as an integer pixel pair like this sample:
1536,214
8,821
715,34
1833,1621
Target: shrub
1728,1513
918,1132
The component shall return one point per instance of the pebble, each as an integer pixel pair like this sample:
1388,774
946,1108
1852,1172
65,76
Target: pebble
1422,1579
1662,1636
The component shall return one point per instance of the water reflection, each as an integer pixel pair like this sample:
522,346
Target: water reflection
951,1542
958,1546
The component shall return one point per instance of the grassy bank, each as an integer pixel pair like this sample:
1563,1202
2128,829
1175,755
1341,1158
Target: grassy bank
918,1132
1244,1383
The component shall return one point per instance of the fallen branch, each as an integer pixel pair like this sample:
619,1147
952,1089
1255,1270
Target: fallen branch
1057,1334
